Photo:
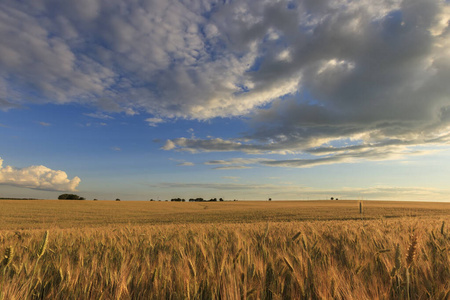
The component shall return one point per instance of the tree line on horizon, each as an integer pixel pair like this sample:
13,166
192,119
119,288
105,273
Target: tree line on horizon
70,197
195,200
76,197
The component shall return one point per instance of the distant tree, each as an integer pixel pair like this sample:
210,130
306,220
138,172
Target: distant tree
117,199
337,199
270,199
70,197
177,200
332,198
220,199
95,199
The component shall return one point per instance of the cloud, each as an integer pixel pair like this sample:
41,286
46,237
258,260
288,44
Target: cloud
217,186
45,124
380,192
182,163
232,168
203,60
330,155
185,164
359,149
5,105
307,74
37,177
214,145
99,115
234,178
115,148
298,192
234,163
153,122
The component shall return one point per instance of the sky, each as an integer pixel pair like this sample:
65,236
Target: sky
246,100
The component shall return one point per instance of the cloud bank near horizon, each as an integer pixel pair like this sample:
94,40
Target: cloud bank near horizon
297,192
37,177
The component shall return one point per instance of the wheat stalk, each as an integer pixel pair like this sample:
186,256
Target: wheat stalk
9,254
41,251
412,249
192,268
397,261
409,259
43,245
288,263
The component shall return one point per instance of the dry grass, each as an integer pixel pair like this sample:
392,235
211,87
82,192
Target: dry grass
394,258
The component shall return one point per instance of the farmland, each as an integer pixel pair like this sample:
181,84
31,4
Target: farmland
46,214
229,250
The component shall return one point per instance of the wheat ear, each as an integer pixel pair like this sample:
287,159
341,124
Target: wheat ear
9,254
43,245
412,249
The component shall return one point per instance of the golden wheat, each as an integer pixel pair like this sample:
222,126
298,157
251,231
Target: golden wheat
412,249
374,259
9,254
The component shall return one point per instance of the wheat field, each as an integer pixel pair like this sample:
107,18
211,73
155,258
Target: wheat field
395,251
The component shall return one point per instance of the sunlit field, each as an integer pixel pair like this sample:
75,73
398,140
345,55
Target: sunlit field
48,214
224,250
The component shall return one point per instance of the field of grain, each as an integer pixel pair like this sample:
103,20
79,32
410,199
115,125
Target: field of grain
230,250
46,214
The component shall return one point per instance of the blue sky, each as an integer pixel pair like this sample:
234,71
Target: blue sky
234,99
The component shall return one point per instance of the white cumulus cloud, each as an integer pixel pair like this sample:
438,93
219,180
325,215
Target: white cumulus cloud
37,177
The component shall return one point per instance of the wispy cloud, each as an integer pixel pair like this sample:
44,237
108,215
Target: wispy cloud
381,192
182,163
234,161
154,121
217,186
99,115
234,178
45,124
329,155
186,164
232,168
6,105
296,192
